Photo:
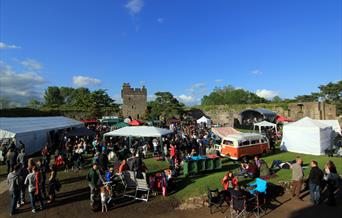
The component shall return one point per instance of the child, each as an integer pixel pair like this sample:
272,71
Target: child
104,195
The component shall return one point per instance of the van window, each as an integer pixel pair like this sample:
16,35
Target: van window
253,142
244,143
227,142
263,140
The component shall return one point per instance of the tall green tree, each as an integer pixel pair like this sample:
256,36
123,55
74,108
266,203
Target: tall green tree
53,97
67,94
164,106
34,104
230,95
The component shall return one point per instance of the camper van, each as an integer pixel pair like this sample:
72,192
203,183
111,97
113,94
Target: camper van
242,145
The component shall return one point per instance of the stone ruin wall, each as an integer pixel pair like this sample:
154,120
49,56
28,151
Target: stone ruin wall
315,110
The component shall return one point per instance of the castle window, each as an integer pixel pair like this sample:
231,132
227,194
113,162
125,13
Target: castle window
132,107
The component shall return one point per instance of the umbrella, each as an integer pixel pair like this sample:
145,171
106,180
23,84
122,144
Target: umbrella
281,119
135,123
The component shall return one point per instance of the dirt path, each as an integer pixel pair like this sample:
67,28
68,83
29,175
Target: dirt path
76,204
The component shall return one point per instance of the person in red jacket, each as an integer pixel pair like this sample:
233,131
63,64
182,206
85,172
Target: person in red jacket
229,181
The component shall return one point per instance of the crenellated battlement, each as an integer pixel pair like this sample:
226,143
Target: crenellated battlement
128,90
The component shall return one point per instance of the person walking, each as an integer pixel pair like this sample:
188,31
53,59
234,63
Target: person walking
22,173
297,178
30,182
332,179
11,159
21,159
315,180
93,178
14,188
40,187
52,184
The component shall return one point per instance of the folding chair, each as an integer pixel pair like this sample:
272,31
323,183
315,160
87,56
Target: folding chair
257,204
142,186
238,207
129,181
214,200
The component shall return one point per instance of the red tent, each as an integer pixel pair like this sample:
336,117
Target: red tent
281,119
135,123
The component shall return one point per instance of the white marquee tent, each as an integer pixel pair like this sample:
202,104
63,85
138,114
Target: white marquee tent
205,120
33,131
139,131
264,124
307,136
333,123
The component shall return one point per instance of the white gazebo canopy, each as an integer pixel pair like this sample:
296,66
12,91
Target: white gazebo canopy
265,124
139,131
204,120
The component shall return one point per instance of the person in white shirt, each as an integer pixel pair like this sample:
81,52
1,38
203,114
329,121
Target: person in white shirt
104,195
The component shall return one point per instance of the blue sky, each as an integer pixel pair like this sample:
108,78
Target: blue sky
187,47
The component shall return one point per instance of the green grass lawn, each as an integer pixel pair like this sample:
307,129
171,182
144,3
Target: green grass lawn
195,186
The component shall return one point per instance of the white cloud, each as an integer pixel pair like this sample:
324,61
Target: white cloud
32,64
256,72
151,97
186,99
6,46
218,80
198,88
268,94
20,87
85,81
193,94
134,6
160,20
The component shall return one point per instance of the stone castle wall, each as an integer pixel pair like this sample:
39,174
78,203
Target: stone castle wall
134,101
227,115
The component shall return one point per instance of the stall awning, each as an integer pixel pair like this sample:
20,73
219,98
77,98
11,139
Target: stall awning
139,131
223,132
80,132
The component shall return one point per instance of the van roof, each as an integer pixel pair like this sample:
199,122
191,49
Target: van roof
245,136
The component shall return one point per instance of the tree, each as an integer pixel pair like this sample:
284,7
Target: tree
102,103
34,104
5,103
332,93
67,94
164,106
231,95
277,99
53,97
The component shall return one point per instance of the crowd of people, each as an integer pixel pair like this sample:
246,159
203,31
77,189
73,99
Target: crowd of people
37,176
111,156
327,180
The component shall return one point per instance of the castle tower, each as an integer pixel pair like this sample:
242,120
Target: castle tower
134,101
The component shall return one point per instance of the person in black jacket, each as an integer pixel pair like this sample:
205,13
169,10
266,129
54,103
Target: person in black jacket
315,180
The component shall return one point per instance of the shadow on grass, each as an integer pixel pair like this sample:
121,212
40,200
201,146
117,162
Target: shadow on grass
72,180
182,182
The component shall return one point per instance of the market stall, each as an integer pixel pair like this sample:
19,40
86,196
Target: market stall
140,131
34,132
265,124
